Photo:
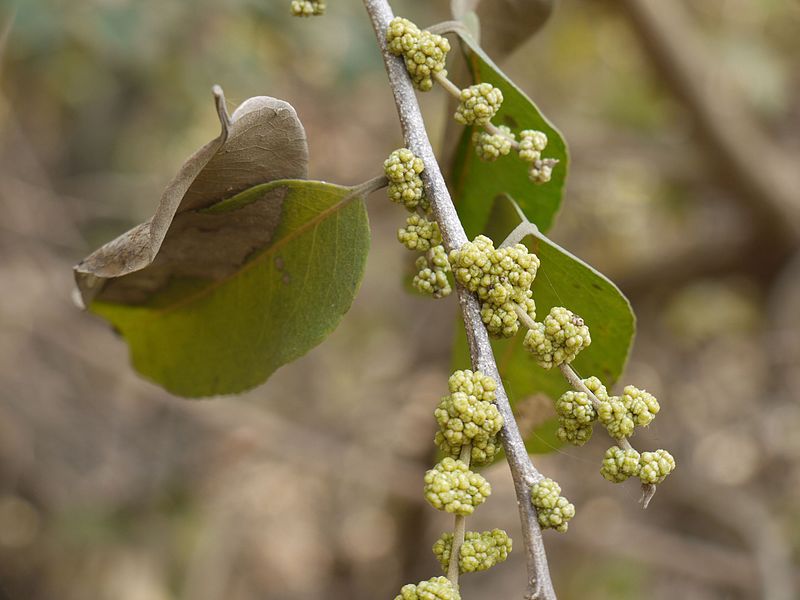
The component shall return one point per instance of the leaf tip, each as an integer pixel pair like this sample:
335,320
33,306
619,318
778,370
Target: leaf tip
222,109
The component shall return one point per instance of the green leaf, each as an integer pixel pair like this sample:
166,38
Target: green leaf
475,183
205,336
562,280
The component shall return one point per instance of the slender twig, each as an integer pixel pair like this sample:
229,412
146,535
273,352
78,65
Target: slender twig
449,27
370,185
524,474
459,529
449,87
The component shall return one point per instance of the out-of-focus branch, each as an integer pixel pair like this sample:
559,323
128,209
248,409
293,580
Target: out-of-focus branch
765,178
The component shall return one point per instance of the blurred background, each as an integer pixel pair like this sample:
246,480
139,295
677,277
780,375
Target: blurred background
684,188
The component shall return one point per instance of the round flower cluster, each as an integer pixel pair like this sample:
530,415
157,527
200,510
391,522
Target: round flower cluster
615,418
468,416
501,278
553,509
308,8
621,414
432,269
642,405
619,464
490,147
402,169
559,339
419,233
424,53
576,415
531,145
655,466
480,550
452,487
436,588
541,171
478,104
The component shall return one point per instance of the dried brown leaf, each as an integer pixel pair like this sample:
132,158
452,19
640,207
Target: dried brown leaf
261,142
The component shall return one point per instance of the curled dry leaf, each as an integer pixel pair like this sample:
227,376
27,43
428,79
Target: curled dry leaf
245,266
261,142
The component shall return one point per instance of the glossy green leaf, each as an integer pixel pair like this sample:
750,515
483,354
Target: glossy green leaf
206,336
562,280
475,183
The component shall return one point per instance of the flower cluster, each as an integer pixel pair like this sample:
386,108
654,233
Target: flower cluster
419,234
478,104
655,466
403,168
619,464
480,550
450,486
432,269
576,415
424,53
558,339
491,146
307,8
621,414
436,588
554,510
501,278
468,415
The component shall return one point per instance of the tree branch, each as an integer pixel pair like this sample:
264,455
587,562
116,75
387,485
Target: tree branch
523,473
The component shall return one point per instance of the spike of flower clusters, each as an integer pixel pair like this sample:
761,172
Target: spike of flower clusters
553,509
558,339
431,278
469,416
480,550
619,464
478,104
419,234
307,8
402,169
531,145
501,278
655,466
424,53
450,486
576,415
436,588
490,147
